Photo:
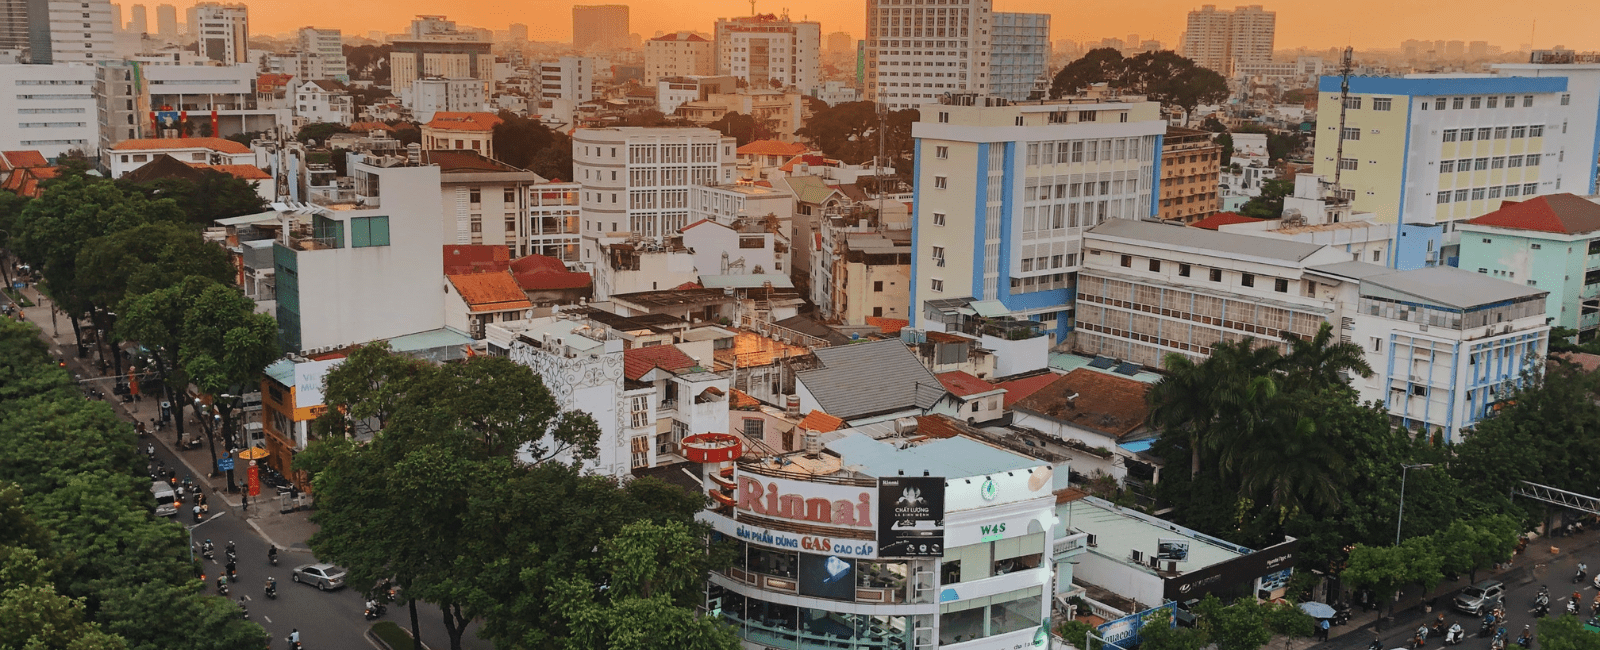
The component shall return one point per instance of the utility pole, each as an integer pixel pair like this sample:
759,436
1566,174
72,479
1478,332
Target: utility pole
1345,66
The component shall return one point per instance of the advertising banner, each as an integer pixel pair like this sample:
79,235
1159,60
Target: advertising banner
1125,632
840,546
1237,575
805,502
911,516
1172,549
827,576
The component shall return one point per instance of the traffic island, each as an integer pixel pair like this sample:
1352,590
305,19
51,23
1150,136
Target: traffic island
391,636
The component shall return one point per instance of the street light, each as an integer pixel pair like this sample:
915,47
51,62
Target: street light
1398,520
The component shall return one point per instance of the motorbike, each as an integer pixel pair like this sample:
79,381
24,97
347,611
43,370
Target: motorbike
271,590
1341,614
1572,607
1541,610
244,608
375,612
206,550
1455,635
1486,628
222,586
192,442
1374,645
272,556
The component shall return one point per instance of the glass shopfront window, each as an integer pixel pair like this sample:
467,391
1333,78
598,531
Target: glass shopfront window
773,563
980,618
801,628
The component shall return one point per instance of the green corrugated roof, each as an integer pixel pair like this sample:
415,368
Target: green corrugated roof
809,189
439,338
281,371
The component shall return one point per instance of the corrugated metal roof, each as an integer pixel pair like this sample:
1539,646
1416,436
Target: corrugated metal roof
431,339
952,458
870,378
1191,239
281,371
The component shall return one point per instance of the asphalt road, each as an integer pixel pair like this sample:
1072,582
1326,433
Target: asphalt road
1521,587
332,619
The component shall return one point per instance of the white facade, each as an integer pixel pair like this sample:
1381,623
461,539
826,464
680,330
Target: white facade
323,101
340,281
203,151
770,51
322,53
836,92
570,78
224,32
918,50
71,32
1221,40
48,108
674,92
1004,193
428,96
638,179
198,89
726,204
722,250
679,54
1019,56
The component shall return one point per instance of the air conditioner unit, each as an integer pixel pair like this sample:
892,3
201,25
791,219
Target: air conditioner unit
1094,540
1137,556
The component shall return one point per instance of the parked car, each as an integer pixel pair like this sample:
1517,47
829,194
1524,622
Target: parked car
1479,597
323,575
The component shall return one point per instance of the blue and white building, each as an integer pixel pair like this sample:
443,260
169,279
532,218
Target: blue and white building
1004,191
1428,152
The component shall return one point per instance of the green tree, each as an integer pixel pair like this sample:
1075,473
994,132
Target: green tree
1076,633
1288,621
224,348
527,143
215,195
744,128
1269,204
319,132
1164,637
849,132
1169,78
1226,140
1240,626
1387,569
1566,633
1100,65
1322,361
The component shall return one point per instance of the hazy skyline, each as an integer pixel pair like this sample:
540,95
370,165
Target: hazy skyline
1316,25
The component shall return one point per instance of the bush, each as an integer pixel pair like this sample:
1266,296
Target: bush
393,636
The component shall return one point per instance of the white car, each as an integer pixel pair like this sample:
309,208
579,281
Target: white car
323,575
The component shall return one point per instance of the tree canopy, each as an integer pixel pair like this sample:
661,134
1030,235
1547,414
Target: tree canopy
849,132
1268,204
744,128
527,143
214,196
1163,76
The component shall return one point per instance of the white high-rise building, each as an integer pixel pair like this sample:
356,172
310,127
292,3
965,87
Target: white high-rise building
138,20
1221,40
770,51
63,32
1004,191
1019,56
48,108
223,32
920,50
167,21
435,48
637,179
680,54
321,56
569,78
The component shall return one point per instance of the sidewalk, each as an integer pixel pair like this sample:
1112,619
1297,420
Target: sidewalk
288,531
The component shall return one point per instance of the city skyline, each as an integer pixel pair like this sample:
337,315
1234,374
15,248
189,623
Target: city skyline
1300,24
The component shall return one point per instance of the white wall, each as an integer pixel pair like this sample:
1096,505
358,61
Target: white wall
60,87
1017,357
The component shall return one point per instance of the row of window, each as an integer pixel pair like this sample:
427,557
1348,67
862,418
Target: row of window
1496,133
1479,164
1107,150
1482,193
1165,203
1279,285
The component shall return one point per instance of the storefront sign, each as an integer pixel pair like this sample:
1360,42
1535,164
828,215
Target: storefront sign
970,493
803,501
829,544
1125,632
1237,575
827,576
911,516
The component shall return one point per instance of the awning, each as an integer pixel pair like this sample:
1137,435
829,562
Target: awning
990,308
1138,445
250,219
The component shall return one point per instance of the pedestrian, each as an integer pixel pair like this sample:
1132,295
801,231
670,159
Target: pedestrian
1322,629
246,499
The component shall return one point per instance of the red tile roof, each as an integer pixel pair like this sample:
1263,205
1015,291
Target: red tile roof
739,400
456,121
887,325
772,148
637,362
25,181
157,144
1565,214
543,273
963,384
246,172
465,161
1019,389
462,259
490,292
691,38
1100,402
815,160
10,160
367,127
1221,219
820,422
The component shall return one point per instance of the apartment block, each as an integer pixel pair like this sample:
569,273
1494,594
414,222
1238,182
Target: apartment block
678,55
920,50
1430,152
1019,56
599,27
770,51
435,48
1004,192
1223,40
430,96
485,201
48,108
58,31
223,32
637,180
569,78
1191,165
1551,242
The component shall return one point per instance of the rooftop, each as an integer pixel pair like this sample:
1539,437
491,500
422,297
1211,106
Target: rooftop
1443,286
1121,530
461,259
888,325
543,273
1091,400
751,350
964,384
952,458
685,36
495,291
638,362
873,378
10,160
1220,219
1021,387
465,161
459,121
1201,241
746,281
1565,214
821,422
159,144
772,148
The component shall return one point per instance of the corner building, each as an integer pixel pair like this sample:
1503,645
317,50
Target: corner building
870,543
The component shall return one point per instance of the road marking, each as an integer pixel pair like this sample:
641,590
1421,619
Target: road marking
266,619
247,598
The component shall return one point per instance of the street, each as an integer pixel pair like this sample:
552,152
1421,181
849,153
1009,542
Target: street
331,619
1522,584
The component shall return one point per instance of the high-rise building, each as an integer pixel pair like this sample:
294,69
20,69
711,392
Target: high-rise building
138,20
637,179
518,32
1429,153
678,55
167,21
601,27
919,50
569,78
433,47
321,55
222,32
56,31
770,51
841,43
116,17
1221,40
14,26
1019,56
48,108
1004,191
1455,50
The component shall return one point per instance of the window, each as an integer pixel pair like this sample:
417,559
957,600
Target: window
1461,195
1536,131
1247,279
1375,256
1477,194
1183,270
1447,166
1216,275
1280,285
1381,103
941,152
1466,135
1127,261
1493,102
938,256
1498,163
936,285
1519,131
1566,98
755,428
939,182
1532,160
938,218
1449,135
1537,247
1530,188
1458,103
1500,132
1483,133
1155,266
944,117
1347,163
1513,161
1480,164
1477,102
1377,343
1527,101
1350,133
1443,198
1353,103
1438,104
1511,101
639,411
1419,391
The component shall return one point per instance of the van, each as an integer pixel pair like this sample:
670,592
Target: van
166,499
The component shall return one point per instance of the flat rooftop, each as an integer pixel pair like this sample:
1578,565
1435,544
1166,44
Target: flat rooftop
948,457
1119,530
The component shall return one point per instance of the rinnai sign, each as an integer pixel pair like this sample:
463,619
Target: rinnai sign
802,501
825,544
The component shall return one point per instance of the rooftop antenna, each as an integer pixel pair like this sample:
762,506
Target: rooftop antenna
877,163
752,7
1345,65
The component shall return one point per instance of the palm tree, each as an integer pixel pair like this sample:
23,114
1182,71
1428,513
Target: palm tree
1180,404
1293,466
1320,361
1208,402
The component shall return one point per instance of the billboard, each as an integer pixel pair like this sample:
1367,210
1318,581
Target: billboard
830,505
1172,549
911,516
1126,632
827,576
1237,575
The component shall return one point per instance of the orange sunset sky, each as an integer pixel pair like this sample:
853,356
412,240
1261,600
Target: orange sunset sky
1320,24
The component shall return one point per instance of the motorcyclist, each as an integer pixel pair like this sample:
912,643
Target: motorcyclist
272,587
272,555
222,585
231,572
206,549
1454,635
1527,636
244,607
294,638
